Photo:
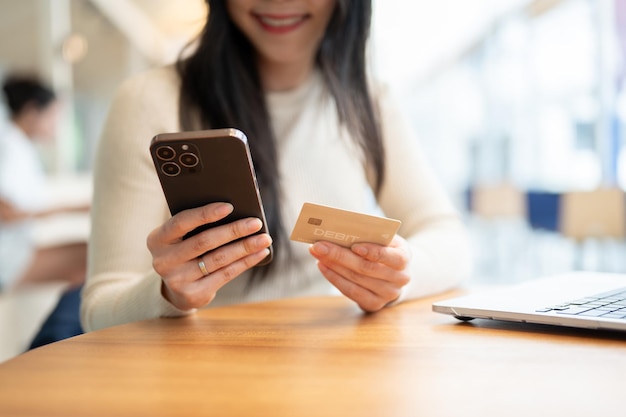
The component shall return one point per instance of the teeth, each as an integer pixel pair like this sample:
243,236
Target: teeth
270,21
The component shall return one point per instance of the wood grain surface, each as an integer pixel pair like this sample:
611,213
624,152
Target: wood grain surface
321,357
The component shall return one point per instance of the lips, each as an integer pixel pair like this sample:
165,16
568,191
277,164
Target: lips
279,24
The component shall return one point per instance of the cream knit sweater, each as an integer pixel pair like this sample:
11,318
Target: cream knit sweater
318,163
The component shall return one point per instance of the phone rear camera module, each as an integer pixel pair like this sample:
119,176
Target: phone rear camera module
189,160
166,153
171,169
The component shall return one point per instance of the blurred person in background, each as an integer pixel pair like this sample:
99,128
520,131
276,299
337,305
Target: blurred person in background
292,76
33,116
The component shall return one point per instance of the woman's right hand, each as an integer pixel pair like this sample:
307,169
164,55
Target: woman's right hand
177,260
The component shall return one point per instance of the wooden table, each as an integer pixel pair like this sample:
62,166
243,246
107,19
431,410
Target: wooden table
321,357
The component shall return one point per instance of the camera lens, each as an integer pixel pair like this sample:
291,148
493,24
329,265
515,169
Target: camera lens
166,153
170,169
189,160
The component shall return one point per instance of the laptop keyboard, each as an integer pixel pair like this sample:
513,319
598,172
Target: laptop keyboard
610,304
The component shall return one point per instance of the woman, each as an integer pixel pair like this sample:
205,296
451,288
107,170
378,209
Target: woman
291,75
33,111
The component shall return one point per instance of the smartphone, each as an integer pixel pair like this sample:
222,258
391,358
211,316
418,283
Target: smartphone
207,166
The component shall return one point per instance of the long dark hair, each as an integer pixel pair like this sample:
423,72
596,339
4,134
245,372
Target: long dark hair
221,87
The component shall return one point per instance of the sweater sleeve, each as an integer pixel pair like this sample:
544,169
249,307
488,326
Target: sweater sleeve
439,242
128,203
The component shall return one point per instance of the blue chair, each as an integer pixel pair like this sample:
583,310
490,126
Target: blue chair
542,210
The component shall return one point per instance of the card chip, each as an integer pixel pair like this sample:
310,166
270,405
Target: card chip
314,221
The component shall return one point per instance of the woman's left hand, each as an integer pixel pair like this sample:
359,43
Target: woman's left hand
371,275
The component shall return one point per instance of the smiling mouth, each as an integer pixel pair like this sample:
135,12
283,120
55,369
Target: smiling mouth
280,24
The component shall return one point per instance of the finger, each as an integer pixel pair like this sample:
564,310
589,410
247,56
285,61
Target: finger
329,253
187,220
202,243
226,274
387,288
199,292
203,291
218,236
228,254
366,299
394,256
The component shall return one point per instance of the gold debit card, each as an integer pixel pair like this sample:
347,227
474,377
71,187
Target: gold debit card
343,227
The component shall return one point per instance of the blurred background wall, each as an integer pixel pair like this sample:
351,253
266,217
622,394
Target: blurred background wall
85,48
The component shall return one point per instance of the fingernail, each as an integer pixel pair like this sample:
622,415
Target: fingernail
254,224
320,248
224,208
263,240
359,250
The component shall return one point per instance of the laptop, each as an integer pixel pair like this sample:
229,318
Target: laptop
593,300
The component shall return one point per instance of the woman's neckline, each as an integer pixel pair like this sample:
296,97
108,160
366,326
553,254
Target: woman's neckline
295,94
